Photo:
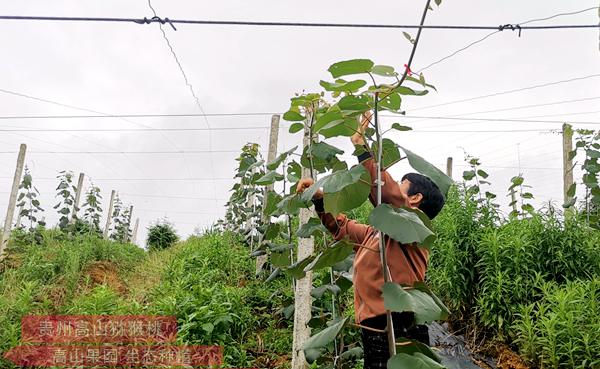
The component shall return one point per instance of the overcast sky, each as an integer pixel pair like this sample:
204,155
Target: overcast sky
128,69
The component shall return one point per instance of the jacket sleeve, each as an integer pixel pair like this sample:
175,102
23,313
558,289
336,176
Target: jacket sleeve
341,227
390,190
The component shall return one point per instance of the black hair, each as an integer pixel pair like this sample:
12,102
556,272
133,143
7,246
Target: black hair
433,199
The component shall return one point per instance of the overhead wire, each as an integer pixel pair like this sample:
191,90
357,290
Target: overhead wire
191,88
289,24
497,31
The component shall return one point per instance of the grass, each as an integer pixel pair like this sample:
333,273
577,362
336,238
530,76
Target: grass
207,283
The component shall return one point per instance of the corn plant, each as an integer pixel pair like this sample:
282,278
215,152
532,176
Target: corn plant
66,194
28,203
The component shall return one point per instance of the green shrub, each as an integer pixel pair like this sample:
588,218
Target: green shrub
562,329
161,235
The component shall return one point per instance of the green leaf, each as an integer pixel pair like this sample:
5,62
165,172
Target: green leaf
482,173
391,154
399,127
421,303
279,159
318,341
271,231
403,90
572,154
570,203
296,127
384,70
416,361
411,347
408,37
337,252
310,228
401,224
271,203
290,204
268,179
273,275
319,291
424,167
347,67
346,127
346,189
354,353
296,270
353,105
293,116
391,102
280,257
343,86
438,2
333,116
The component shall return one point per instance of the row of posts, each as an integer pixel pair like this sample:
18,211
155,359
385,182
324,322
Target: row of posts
12,202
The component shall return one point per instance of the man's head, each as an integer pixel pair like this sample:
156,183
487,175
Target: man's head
420,192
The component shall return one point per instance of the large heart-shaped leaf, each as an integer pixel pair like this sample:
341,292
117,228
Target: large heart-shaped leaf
316,343
333,254
310,228
417,300
346,127
391,154
403,225
416,361
347,67
346,189
333,116
391,102
273,198
411,347
424,167
293,116
353,105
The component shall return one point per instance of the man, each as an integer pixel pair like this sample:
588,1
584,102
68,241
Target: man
407,263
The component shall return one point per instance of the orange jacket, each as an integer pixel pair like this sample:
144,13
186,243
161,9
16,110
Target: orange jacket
407,263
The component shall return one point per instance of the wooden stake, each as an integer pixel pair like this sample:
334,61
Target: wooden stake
110,209
449,167
302,298
18,223
273,136
135,228
12,201
567,133
77,197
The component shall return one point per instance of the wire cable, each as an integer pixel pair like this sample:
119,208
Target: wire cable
496,31
288,24
508,92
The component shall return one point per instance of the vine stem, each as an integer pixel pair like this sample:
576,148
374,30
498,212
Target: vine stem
382,254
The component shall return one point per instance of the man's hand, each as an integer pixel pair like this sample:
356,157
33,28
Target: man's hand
357,138
305,183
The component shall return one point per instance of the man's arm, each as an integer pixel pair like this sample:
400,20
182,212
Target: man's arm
340,227
390,190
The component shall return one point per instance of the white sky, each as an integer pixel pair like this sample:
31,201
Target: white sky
128,69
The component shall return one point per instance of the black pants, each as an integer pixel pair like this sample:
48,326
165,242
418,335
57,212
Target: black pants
375,344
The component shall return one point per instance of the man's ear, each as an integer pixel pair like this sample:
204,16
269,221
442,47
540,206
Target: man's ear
415,200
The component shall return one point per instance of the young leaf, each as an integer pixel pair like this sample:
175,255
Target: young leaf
347,67
269,178
408,37
343,86
275,163
399,127
296,127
